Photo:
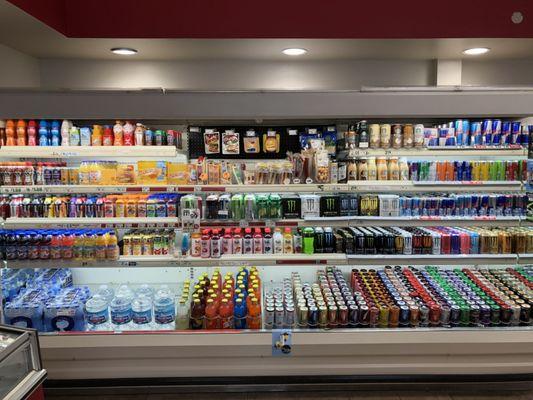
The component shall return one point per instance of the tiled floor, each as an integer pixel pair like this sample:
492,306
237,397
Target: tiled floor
356,395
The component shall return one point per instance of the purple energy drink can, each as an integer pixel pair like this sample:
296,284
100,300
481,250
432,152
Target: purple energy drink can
496,132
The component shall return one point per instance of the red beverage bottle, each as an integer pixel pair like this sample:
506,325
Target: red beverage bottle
258,241
225,313
211,315
197,314
248,242
32,133
21,132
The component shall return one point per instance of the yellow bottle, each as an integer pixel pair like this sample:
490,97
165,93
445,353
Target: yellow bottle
112,251
120,207
100,247
287,241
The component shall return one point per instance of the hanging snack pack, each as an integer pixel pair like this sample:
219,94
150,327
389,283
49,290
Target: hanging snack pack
322,166
271,142
212,141
230,142
251,142
330,139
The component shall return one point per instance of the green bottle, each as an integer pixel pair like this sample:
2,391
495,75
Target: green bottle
308,234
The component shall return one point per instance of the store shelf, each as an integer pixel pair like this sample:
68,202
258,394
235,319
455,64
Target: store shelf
21,223
277,259
525,258
451,151
411,221
351,187
87,151
422,351
432,259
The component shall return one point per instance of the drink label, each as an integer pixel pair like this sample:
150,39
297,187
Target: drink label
96,318
121,317
248,244
142,317
268,245
164,314
237,245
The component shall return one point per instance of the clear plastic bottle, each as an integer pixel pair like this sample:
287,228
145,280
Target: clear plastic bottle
164,309
182,314
142,318
125,291
106,292
121,312
97,313
145,290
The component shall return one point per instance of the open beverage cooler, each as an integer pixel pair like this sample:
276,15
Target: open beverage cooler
206,245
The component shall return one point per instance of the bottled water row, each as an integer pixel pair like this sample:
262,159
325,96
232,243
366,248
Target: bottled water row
134,309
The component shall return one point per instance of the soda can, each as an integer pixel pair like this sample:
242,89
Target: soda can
343,316
322,316
289,317
475,134
269,317
525,314
516,133
486,132
364,315
484,315
303,317
279,317
495,311
525,136
312,319
496,132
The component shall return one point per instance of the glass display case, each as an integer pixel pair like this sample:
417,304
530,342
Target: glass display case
21,372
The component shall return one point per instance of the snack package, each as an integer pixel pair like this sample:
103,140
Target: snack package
237,173
298,174
330,139
126,174
230,142
225,173
251,142
213,172
308,166
310,133
322,166
271,142
201,170
261,175
192,174
211,141
177,173
152,172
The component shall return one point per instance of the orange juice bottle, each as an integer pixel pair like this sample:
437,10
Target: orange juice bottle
254,315
97,136
131,207
120,208
21,132
112,251
100,250
10,133
211,315
142,207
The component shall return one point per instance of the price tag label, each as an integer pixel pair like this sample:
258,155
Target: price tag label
145,189
243,223
190,218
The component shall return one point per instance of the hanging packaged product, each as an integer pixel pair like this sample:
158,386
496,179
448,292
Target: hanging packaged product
251,143
307,136
298,162
308,166
213,171
201,171
322,166
330,139
230,142
225,173
211,141
152,172
271,142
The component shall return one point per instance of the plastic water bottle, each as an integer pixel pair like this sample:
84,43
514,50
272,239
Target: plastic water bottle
125,291
97,313
121,312
164,309
142,313
106,292
145,290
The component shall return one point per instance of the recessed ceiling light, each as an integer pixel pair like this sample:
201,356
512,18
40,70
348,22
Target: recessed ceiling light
294,51
476,51
124,51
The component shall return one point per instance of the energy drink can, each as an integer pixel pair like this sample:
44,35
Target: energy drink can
223,206
250,207
496,133
274,205
291,206
486,132
475,134
516,133
237,207
211,206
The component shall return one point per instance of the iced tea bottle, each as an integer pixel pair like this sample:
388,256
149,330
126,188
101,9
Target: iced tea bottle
211,315
197,314
226,314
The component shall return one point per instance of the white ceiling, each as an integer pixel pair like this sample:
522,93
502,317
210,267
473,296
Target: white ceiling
24,33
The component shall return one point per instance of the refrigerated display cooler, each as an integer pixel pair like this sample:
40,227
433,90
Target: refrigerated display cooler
21,372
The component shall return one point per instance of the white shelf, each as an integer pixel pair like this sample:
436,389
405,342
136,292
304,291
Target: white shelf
410,221
431,259
442,151
279,260
351,187
87,151
17,223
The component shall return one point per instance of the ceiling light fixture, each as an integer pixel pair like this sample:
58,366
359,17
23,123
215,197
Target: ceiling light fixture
476,51
295,51
124,51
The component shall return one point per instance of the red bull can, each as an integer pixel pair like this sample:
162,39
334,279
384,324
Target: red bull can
506,132
516,133
486,132
475,134
496,133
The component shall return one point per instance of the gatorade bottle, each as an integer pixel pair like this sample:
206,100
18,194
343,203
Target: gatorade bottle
10,133
197,314
226,314
32,133
254,315
211,315
55,135
239,314
65,133
21,132
287,241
